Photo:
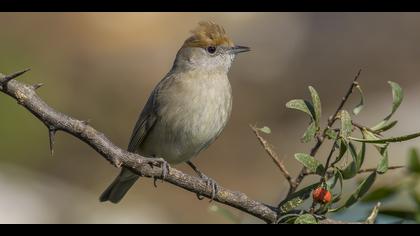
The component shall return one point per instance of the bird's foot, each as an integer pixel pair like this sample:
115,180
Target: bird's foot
162,164
210,183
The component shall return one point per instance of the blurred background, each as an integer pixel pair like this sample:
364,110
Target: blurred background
101,67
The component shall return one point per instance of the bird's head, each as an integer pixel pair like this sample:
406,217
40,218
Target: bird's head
209,48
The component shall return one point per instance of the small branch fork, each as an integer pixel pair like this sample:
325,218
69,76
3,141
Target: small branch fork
321,138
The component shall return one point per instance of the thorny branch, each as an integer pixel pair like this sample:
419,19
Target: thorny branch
56,121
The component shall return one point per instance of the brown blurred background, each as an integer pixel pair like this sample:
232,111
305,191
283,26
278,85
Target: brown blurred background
102,67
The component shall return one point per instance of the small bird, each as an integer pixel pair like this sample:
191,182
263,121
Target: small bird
188,108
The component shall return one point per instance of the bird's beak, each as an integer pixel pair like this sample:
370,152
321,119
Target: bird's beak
239,49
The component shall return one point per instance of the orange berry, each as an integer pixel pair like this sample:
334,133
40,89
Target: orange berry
321,195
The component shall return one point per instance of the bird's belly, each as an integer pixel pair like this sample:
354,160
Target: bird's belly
187,126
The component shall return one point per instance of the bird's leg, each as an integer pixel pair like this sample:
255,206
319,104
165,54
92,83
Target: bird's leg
209,182
163,164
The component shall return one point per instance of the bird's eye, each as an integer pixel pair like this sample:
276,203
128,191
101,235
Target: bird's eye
211,49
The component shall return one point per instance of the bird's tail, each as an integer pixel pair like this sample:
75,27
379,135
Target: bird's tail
116,191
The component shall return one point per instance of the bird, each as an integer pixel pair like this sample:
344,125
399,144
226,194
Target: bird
188,109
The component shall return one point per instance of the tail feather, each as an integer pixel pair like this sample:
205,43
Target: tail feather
116,191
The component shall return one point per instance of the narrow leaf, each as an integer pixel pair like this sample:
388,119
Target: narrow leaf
387,140
306,219
397,97
316,101
331,134
302,105
309,133
346,125
343,150
361,104
265,129
383,163
291,204
361,156
310,162
302,194
351,169
361,190
371,136
386,126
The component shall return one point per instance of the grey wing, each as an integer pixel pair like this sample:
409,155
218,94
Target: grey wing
144,123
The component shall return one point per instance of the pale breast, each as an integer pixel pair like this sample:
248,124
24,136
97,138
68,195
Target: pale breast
193,110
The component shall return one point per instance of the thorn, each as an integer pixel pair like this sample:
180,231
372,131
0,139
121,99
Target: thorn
51,133
14,75
37,86
86,122
118,163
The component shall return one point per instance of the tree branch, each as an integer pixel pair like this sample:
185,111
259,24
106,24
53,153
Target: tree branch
55,121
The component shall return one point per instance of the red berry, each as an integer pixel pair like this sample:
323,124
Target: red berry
321,195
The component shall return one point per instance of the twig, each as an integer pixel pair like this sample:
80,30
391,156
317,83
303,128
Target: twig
320,138
372,216
272,154
327,163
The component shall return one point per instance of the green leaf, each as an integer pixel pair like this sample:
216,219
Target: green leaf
386,126
397,97
337,196
302,105
316,101
361,190
361,156
332,182
414,161
306,219
380,194
346,125
287,219
309,133
291,204
351,169
310,162
371,136
265,129
303,193
387,140
361,104
331,134
343,150
383,163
